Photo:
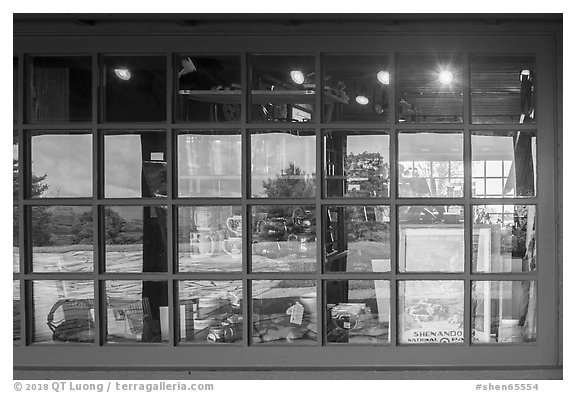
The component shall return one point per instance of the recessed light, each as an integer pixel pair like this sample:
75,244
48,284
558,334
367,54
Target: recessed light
362,100
383,77
297,77
123,73
445,77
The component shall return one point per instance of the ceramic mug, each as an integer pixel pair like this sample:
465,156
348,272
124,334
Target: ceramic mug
201,244
233,247
234,224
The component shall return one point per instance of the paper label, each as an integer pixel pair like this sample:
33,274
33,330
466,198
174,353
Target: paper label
296,313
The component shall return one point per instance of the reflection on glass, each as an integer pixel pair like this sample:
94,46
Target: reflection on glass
358,311
431,312
60,89
357,239
15,240
210,311
504,238
502,89
503,164
431,238
135,88
16,311
62,238
356,88
15,165
15,93
504,311
209,164
210,238
137,311
283,238
357,164
61,165
208,88
63,311
430,164
284,312
430,89
283,88
135,238
135,164
283,164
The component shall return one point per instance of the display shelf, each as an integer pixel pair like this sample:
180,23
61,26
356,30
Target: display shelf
261,96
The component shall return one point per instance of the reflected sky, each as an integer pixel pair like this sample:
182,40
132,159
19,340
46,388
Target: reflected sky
123,166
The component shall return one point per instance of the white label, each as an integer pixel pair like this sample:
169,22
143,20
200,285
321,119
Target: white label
296,313
157,156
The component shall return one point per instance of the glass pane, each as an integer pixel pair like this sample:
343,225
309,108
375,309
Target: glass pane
137,311
283,164
502,89
15,240
63,311
16,311
15,94
62,238
431,312
357,164
210,238
208,88
430,89
210,311
61,165
358,311
284,312
430,164
135,164
209,164
431,238
510,161
356,88
136,238
504,311
357,239
135,88
504,238
283,238
283,88
59,89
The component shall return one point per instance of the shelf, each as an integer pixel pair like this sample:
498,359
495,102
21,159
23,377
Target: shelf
261,96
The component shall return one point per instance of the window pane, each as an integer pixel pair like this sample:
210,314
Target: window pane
137,311
431,238
510,159
210,238
431,312
136,238
504,311
357,164
284,312
358,311
502,89
15,165
15,93
504,242
208,88
283,164
283,88
135,88
61,165
209,164
59,89
210,311
135,164
15,240
425,164
356,88
62,238
357,239
283,238
430,89
16,311
63,311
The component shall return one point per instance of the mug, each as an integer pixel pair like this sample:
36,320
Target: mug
234,225
233,247
201,244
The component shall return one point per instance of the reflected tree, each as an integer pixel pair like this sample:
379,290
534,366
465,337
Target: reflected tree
293,182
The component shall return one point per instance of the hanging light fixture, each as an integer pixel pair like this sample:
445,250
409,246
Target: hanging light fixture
297,76
123,73
383,77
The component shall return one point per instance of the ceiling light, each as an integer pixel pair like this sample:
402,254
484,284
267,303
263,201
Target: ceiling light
297,77
525,73
362,99
383,77
123,73
445,77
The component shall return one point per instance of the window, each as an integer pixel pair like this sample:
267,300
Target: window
199,196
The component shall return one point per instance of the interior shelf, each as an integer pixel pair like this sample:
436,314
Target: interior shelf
261,96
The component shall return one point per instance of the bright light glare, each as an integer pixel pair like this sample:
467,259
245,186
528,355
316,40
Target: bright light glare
297,77
362,100
445,77
383,77
123,73
524,73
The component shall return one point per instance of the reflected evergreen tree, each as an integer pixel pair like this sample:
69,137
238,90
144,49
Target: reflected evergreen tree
293,182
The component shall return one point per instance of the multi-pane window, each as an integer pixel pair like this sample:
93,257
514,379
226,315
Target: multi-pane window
371,218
